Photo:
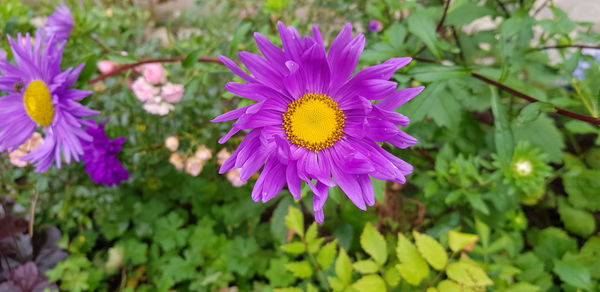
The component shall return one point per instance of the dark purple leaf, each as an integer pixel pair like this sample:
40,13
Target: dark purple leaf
12,225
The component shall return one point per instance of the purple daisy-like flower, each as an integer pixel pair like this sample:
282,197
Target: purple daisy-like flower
314,121
375,25
60,23
39,96
101,156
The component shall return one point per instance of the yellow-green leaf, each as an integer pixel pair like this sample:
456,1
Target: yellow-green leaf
326,254
366,267
374,244
300,269
295,221
294,247
459,241
431,250
370,283
412,267
288,289
392,276
451,286
468,274
343,267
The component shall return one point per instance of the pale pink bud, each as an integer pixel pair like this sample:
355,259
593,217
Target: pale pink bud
31,144
172,143
172,92
106,66
194,166
234,178
203,153
154,73
143,90
177,160
222,156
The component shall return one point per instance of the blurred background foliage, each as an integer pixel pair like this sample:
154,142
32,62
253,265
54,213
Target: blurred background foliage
505,195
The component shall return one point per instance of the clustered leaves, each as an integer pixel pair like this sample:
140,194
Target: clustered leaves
504,196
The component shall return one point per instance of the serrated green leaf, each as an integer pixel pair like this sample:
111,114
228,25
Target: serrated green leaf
311,232
412,267
459,241
326,254
300,269
431,250
370,283
468,274
582,188
422,25
294,247
366,267
374,244
295,221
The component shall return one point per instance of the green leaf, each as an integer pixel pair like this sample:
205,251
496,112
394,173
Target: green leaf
277,274
295,221
582,188
543,134
590,254
431,250
423,27
366,267
522,287
461,241
370,283
421,105
484,231
392,276
468,274
503,136
300,269
343,267
552,243
191,59
374,244
451,286
294,247
577,221
573,272
412,267
288,289
327,254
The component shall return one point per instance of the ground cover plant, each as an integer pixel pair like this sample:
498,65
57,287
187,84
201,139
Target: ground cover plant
411,145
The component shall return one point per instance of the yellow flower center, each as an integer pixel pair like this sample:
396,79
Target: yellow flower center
38,102
314,121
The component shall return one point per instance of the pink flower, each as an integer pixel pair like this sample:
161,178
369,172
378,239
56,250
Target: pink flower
177,160
222,156
154,73
158,107
31,144
172,92
234,178
194,166
203,153
106,66
143,90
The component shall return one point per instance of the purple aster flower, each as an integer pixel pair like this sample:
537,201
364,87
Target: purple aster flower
39,97
314,120
60,23
101,156
375,26
2,55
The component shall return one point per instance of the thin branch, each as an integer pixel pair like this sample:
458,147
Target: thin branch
160,60
440,24
539,9
561,111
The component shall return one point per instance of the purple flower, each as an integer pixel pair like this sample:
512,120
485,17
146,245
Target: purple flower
101,156
314,121
583,65
60,23
39,97
2,55
375,26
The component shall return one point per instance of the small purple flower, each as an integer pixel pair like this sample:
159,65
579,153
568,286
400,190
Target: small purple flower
60,23
314,120
39,96
579,72
101,156
375,25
